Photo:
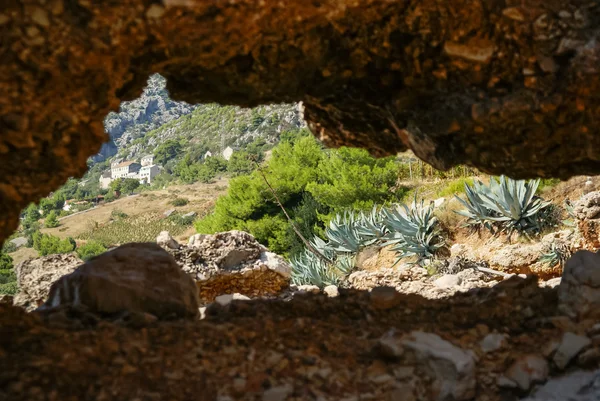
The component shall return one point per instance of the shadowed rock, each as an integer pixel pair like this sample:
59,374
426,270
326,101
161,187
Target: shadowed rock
508,89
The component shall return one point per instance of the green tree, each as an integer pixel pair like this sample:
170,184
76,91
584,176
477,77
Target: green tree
350,178
90,249
240,163
116,185
51,221
32,215
129,185
47,244
166,151
311,183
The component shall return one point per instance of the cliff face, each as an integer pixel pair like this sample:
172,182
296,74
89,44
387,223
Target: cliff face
508,87
140,116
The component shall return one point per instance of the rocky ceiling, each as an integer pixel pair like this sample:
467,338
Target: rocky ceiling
506,86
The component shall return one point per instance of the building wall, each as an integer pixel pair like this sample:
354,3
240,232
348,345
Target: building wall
147,173
147,160
105,182
120,172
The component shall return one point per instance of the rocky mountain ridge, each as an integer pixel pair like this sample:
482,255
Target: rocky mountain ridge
144,123
140,116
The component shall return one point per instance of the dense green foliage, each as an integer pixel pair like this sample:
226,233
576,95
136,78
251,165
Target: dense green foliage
51,221
90,249
166,151
47,244
8,279
6,261
301,171
31,216
189,171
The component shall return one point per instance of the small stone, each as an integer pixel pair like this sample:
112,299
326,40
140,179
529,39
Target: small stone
448,281
239,384
169,212
155,11
480,52
451,368
493,342
311,289
589,358
528,370
384,297
40,17
514,13
226,299
505,382
331,291
202,311
32,31
165,240
279,393
571,345
390,346
594,330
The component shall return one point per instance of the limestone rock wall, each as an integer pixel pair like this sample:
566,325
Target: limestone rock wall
509,87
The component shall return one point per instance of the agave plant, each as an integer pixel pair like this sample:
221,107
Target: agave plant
413,231
370,227
342,233
308,268
508,204
556,255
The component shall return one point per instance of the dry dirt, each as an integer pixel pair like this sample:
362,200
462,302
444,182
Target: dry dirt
201,199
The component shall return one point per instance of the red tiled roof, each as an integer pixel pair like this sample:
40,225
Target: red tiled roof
124,164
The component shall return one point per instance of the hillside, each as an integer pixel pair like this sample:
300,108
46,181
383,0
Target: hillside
143,124
140,116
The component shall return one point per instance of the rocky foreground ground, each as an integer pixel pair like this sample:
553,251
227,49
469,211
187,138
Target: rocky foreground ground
506,342
217,319
492,344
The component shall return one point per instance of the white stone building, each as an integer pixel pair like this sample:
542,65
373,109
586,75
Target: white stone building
123,170
105,179
147,173
147,160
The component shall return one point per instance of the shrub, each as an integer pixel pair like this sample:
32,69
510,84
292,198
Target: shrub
51,221
505,205
90,249
240,163
8,247
129,185
47,244
179,202
118,214
6,261
10,288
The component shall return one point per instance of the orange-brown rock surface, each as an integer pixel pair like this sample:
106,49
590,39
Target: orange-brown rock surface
509,87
